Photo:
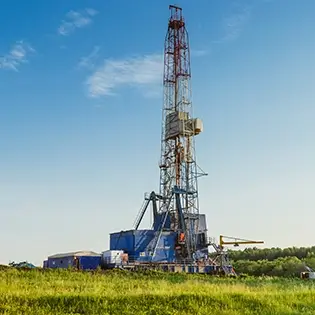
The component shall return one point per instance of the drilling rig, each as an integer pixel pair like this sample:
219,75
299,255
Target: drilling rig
178,167
177,221
178,235
177,240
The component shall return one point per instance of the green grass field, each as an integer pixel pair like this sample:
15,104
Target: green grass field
68,292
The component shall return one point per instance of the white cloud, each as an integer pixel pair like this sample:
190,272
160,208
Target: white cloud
89,61
16,56
75,19
233,25
142,72
91,12
199,53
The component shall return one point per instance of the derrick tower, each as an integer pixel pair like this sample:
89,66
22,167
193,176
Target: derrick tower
178,168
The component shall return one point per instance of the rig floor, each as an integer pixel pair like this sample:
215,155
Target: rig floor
176,267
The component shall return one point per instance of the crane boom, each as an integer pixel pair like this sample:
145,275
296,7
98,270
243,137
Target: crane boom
236,241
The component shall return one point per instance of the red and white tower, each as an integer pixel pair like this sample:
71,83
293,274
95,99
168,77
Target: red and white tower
178,166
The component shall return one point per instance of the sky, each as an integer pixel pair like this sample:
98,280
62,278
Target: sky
80,119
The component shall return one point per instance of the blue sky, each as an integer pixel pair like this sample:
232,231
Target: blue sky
81,99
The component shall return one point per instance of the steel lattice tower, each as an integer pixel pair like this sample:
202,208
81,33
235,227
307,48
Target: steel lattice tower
178,166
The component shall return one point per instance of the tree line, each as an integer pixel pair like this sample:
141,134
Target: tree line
272,253
273,261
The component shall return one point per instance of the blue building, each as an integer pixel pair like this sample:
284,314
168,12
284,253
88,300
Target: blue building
85,260
139,244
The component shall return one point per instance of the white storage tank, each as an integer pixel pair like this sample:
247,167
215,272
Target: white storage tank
111,258
198,126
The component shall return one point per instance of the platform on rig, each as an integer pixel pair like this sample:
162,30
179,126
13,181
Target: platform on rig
175,267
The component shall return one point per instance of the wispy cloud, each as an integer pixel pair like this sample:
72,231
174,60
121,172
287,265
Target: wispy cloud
76,19
16,56
91,12
141,72
199,53
89,61
235,21
234,24
146,72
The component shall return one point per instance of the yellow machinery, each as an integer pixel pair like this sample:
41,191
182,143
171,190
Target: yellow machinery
221,256
235,241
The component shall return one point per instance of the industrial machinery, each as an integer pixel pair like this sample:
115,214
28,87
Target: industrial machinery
236,241
177,239
178,230
221,257
179,205
178,236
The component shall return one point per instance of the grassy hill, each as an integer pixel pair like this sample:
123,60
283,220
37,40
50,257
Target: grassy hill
68,292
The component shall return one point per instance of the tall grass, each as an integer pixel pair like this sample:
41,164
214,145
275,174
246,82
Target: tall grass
68,292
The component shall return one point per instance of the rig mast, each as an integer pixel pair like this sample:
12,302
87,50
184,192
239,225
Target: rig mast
178,168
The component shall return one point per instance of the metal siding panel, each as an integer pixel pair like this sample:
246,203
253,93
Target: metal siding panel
161,255
159,219
142,240
165,249
135,242
64,262
130,242
89,262
122,241
114,241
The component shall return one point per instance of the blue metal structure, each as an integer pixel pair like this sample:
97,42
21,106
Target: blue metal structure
62,262
89,262
161,243
79,260
140,245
